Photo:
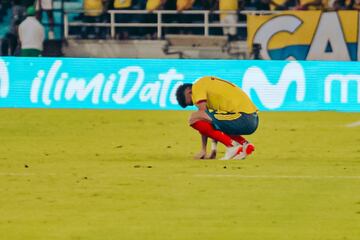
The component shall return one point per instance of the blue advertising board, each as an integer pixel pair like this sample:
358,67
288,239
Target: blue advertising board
89,83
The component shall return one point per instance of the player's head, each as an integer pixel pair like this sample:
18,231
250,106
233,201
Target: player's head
183,95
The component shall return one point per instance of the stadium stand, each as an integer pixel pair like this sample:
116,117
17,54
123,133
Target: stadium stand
167,32
195,32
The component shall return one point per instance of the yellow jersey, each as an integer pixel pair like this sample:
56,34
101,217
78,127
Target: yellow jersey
93,7
152,5
228,5
118,4
221,96
184,4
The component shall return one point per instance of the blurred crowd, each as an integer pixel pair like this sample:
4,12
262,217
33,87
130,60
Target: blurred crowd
26,34
96,11
18,12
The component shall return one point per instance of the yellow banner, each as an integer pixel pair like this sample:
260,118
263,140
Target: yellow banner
305,35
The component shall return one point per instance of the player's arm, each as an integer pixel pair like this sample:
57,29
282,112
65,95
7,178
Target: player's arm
200,114
201,105
202,153
199,97
213,150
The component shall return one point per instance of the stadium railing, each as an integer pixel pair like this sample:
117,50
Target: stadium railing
206,24
176,43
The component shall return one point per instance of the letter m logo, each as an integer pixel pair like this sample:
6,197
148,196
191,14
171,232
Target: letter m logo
344,81
272,96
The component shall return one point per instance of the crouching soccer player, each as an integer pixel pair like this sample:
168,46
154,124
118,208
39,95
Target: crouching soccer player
224,113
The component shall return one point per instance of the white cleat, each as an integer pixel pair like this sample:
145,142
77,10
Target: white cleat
247,149
232,151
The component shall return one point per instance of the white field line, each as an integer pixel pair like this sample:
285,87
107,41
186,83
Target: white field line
305,177
354,124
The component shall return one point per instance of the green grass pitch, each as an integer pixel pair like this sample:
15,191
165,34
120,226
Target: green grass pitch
86,174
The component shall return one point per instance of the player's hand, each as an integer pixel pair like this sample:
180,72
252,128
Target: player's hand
200,155
212,155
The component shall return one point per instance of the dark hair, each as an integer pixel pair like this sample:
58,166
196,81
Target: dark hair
180,94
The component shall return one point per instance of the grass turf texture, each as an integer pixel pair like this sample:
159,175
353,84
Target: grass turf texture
81,174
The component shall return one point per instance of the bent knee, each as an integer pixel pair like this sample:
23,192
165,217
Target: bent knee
198,116
193,119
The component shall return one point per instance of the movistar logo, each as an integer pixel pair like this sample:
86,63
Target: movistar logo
272,96
4,80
